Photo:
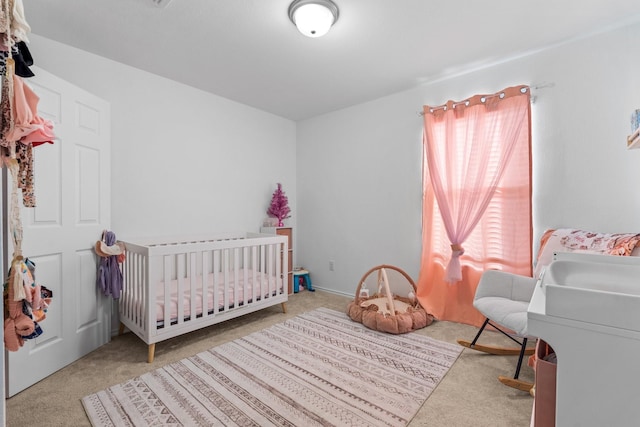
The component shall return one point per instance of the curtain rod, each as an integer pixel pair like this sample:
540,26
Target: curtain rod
532,88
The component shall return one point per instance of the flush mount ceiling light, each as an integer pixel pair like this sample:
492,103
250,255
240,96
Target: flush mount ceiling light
313,18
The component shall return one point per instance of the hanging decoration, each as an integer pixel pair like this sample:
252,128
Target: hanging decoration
27,302
21,129
279,207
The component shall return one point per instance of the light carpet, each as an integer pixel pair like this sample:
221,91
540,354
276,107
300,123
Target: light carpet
317,369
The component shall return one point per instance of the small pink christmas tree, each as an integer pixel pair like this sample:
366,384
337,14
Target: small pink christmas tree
279,207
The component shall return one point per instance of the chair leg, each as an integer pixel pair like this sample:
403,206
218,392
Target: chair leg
486,322
524,347
515,382
521,352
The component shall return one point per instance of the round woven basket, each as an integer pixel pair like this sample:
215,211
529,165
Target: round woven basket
386,301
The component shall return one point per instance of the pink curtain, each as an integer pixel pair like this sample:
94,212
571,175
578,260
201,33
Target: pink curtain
477,166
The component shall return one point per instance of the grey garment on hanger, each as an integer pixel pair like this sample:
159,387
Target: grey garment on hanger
109,274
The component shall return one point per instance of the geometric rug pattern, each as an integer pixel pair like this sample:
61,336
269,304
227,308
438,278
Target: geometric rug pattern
319,368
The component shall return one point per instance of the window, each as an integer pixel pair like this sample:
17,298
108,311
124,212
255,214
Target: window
477,164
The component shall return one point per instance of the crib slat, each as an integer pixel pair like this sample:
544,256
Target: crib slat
266,285
254,276
285,268
226,279
125,298
137,298
273,254
263,265
193,280
180,263
135,282
149,290
166,282
237,286
216,280
133,291
204,273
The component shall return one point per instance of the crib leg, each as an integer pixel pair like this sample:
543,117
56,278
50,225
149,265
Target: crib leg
152,350
121,329
284,307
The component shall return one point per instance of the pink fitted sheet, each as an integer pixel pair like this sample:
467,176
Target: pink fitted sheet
262,286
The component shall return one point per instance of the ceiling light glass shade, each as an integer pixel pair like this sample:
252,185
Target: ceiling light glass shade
313,18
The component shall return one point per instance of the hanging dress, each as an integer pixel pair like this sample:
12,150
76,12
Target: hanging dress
109,273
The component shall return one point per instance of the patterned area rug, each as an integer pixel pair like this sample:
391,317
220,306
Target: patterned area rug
317,369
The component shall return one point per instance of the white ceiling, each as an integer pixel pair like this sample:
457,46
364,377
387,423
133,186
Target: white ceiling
249,51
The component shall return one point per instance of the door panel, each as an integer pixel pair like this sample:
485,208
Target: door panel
72,209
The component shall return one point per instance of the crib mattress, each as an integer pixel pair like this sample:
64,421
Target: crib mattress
263,286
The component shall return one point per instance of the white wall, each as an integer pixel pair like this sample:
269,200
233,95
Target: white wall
359,183
183,160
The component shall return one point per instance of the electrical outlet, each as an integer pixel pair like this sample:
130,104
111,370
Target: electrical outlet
332,265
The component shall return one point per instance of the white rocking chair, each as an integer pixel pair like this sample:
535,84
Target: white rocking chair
504,299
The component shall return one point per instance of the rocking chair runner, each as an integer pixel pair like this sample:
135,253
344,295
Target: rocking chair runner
504,299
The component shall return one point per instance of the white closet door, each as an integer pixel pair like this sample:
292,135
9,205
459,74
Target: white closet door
72,188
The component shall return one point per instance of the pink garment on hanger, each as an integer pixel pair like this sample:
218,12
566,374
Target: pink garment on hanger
29,127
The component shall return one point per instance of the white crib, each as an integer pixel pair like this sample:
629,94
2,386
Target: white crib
177,285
